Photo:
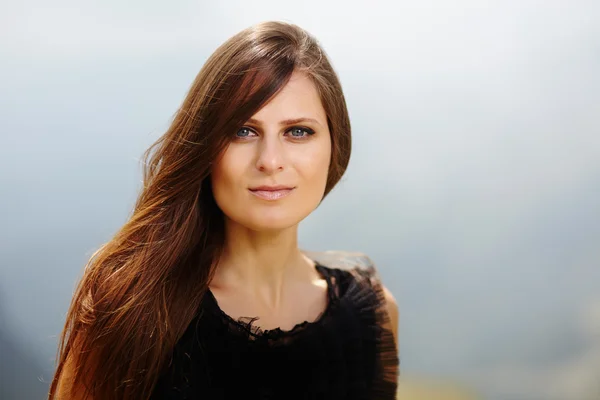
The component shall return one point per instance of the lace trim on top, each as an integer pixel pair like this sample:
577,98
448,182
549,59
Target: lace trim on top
347,353
246,324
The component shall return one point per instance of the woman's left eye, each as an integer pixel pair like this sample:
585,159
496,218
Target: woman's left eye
298,132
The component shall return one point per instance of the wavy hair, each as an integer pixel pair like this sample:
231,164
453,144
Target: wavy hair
141,289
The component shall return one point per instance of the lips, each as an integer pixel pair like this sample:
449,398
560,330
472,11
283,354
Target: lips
271,188
271,192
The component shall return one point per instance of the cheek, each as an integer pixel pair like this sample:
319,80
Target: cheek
314,165
224,177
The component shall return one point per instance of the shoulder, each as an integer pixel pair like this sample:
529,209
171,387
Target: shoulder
361,264
341,259
393,312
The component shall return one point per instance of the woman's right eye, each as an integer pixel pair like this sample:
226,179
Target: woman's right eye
244,132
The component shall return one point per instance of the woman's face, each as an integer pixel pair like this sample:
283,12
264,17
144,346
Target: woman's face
273,173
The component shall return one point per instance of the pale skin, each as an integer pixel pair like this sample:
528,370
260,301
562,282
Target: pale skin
263,272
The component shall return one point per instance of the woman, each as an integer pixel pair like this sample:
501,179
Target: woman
204,293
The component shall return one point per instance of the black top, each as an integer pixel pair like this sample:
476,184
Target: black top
347,353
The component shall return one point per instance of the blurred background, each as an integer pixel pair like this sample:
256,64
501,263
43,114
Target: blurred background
474,182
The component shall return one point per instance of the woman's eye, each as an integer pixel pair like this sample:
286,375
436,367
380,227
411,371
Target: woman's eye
245,132
298,131
295,132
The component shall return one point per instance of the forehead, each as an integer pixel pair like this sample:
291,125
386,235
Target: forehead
298,98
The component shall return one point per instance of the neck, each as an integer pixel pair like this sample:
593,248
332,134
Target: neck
262,262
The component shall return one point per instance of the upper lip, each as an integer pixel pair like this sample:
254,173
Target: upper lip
271,188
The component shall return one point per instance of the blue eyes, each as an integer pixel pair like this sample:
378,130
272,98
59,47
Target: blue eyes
243,129
297,132
300,129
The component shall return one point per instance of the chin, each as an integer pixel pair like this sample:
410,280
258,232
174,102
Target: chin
271,221
272,225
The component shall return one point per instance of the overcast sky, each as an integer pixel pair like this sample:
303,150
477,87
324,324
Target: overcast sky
474,182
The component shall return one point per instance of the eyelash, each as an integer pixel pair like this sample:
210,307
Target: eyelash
309,132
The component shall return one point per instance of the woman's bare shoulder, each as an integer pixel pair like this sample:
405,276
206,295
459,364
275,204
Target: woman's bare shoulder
349,260
341,259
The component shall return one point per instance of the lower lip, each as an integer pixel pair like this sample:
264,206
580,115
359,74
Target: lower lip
271,194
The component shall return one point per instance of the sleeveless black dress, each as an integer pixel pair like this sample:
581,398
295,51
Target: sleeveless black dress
347,353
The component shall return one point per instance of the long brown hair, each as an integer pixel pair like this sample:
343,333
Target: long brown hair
141,289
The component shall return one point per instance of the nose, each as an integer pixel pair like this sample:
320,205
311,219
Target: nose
271,154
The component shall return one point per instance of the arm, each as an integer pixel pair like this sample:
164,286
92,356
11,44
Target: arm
65,381
393,312
66,386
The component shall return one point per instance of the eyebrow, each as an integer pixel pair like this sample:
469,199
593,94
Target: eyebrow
287,121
